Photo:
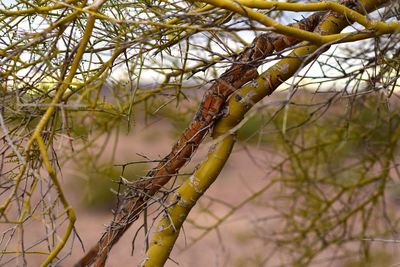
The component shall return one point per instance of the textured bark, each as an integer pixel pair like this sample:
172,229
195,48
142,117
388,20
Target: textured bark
243,70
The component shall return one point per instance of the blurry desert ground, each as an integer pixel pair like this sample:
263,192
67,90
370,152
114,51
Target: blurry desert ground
240,177
242,240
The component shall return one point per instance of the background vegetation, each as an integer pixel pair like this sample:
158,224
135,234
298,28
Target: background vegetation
81,80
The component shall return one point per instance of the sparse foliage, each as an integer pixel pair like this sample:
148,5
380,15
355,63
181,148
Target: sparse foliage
315,84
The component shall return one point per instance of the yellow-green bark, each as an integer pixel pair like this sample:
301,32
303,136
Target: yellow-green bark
184,199
167,231
375,28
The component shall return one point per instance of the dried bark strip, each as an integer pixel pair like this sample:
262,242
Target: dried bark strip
243,70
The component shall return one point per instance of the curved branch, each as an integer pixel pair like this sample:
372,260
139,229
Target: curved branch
242,7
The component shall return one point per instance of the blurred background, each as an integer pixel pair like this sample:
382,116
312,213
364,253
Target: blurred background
312,181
